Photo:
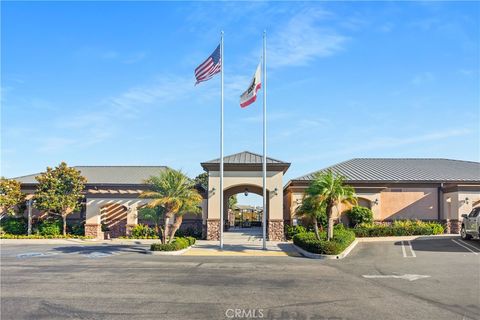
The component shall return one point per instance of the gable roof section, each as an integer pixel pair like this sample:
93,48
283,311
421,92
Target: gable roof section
108,175
403,170
245,159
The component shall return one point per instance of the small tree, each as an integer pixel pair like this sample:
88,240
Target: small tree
154,215
59,191
330,190
11,197
172,190
313,209
232,201
202,180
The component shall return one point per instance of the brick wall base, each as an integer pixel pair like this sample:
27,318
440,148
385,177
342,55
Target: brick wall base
94,231
276,230
213,229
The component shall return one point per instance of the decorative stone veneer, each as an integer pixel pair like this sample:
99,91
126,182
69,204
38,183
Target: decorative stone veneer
213,229
94,231
452,226
276,230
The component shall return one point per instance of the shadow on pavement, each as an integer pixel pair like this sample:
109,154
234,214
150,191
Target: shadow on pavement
111,249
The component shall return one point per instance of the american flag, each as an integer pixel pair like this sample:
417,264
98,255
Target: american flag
209,67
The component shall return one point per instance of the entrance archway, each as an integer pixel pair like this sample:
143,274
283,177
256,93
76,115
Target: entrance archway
244,171
251,216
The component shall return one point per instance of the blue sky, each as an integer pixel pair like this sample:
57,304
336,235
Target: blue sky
111,83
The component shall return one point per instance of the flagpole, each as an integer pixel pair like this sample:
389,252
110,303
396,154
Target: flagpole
264,222
221,142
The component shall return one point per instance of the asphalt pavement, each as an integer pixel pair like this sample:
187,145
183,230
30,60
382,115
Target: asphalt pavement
419,279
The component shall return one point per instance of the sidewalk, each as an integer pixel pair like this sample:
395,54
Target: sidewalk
211,248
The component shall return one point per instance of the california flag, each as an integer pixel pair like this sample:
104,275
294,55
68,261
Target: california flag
250,95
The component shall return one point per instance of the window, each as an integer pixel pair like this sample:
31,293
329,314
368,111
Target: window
474,213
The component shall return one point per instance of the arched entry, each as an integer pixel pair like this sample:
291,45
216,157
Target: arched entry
244,170
255,220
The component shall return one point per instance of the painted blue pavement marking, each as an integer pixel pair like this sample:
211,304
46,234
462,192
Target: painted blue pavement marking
35,254
98,254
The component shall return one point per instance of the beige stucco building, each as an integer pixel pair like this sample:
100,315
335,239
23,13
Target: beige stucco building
425,189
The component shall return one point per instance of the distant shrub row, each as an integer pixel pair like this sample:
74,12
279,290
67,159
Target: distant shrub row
398,228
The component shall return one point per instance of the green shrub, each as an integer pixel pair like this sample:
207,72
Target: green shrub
191,240
77,229
189,232
50,227
175,245
359,215
341,240
15,226
398,228
291,231
141,231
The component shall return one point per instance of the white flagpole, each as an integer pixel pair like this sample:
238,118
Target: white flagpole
221,143
264,222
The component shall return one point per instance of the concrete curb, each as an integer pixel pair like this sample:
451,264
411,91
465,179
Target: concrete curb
407,238
327,256
167,253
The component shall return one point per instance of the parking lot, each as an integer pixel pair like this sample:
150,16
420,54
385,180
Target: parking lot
420,279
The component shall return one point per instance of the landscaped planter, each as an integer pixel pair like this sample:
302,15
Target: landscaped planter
177,247
341,255
168,253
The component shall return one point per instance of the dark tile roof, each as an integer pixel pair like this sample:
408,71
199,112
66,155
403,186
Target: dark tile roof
404,170
245,157
109,174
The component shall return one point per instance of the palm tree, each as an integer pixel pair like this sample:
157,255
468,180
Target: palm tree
154,215
313,209
172,190
330,190
191,205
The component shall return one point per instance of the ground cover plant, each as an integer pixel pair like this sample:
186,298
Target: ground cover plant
341,239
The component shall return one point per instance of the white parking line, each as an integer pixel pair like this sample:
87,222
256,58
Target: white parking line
464,246
469,245
404,251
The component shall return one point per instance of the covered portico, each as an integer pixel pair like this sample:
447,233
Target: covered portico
243,172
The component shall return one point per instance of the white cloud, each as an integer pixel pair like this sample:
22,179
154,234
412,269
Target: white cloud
422,78
302,40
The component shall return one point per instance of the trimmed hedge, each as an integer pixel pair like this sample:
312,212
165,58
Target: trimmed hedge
175,245
398,228
341,240
291,231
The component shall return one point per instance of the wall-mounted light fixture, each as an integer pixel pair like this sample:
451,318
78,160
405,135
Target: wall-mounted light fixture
375,202
466,200
275,191
246,192
298,201
212,192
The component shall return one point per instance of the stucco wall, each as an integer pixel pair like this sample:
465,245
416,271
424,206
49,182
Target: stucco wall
455,203
410,203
